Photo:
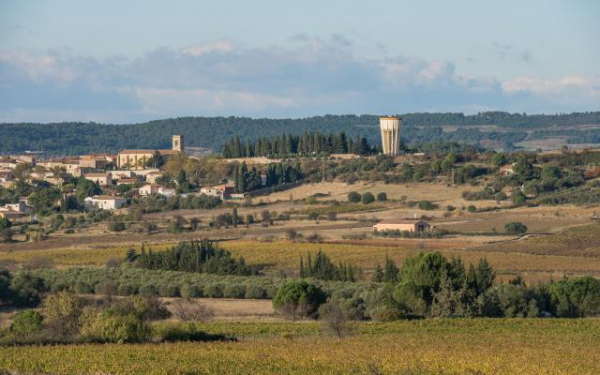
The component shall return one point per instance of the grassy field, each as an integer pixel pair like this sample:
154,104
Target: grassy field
475,346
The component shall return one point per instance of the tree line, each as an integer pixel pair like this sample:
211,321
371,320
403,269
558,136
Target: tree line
72,138
310,143
246,180
193,256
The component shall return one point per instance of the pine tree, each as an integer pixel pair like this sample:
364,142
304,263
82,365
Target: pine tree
391,271
378,274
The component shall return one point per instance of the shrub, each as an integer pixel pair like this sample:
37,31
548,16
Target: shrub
168,291
255,292
126,289
27,289
116,226
291,234
63,313
147,290
234,291
106,327
190,291
368,198
515,228
354,197
298,298
26,323
382,197
427,205
214,291
472,208
334,318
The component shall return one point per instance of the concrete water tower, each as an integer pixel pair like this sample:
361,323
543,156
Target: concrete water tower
390,134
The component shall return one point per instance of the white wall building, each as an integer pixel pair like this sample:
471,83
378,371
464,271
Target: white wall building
104,202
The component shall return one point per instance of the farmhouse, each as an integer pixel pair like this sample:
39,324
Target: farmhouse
14,210
104,202
402,225
221,191
103,179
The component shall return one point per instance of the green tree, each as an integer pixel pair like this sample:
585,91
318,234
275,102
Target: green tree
382,197
27,289
298,298
354,197
368,198
26,323
515,228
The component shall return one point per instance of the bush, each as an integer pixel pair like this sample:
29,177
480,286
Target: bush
126,290
298,298
116,226
368,198
515,228
234,291
382,197
427,205
334,318
26,323
148,290
214,291
63,313
27,289
354,197
472,208
255,292
168,291
190,291
105,327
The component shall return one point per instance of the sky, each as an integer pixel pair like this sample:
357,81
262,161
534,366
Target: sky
132,61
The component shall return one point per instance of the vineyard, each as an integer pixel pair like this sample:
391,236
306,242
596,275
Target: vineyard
458,346
582,241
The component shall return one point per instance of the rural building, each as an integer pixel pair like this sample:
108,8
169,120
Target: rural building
96,161
221,191
104,202
153,189
70,165
103,179
127,181
14,210
6,176
152,176
507,170
402,225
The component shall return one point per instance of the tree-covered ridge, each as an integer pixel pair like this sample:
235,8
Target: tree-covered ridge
70,138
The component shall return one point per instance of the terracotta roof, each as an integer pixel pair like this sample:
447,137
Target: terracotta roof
402,221
97,174
168,152
137,152
106,197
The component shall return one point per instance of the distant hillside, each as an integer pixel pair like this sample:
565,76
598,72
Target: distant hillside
71,138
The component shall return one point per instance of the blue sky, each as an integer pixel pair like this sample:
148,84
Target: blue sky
129,61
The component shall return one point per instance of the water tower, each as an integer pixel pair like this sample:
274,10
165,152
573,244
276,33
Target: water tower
390,134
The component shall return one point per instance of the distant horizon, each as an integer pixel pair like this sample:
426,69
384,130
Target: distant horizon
296,118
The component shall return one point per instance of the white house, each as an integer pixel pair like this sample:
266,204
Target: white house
152,189
103,179
104,202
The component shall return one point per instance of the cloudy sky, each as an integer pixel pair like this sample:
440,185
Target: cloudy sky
129,61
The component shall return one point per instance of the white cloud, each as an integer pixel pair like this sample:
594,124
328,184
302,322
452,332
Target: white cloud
309,76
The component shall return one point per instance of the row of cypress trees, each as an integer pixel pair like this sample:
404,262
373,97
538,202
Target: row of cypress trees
307,144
